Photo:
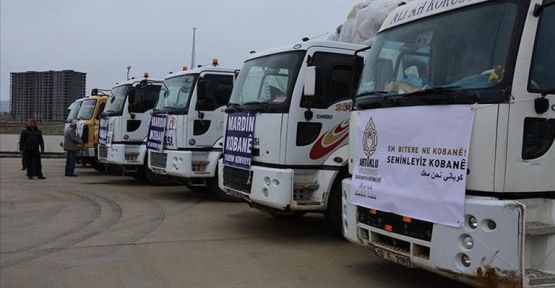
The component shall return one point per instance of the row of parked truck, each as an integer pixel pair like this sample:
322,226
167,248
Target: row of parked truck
289,130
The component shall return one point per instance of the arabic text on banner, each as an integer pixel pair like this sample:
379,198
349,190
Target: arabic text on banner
238,140
412,161
155,139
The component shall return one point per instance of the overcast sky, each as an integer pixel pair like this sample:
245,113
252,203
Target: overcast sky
102,37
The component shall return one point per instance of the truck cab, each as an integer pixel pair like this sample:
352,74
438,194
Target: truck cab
87,127
124,126
298,144
191,107
494,58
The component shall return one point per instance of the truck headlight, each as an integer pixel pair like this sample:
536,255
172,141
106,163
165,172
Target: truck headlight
467,242
267,181
472,222
465,260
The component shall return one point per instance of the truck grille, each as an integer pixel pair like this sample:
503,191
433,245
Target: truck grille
102,152
398,224
237,179
158,159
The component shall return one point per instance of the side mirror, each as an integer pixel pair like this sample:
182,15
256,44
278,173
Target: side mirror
310,81
131,96
358,65
201,88
204,104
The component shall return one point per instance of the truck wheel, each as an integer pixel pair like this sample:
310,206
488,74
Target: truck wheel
222,195
98,166
286,215
334,221
151,177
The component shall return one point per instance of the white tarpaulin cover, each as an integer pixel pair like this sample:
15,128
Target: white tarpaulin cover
364,21
412,161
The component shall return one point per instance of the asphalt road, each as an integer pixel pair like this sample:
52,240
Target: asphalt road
111,231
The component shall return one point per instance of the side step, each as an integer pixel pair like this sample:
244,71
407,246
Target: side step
538,228
541,279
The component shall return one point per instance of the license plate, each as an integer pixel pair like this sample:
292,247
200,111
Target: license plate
394,257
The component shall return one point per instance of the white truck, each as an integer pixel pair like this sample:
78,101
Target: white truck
289,161
495,57
190,116
124,126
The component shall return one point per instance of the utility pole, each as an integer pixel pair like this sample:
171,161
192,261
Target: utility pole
193,52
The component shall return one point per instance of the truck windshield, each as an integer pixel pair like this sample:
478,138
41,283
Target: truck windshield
87,109
73,111
115,102
175,93
463,49
269,79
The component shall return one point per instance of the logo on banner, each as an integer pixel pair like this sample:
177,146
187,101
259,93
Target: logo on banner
370,139
156,130
239,139
330,140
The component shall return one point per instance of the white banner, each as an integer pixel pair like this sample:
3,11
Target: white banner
412,161
79,129
170,139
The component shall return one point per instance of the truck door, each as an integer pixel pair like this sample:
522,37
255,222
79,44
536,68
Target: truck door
207,116
530,148
310,140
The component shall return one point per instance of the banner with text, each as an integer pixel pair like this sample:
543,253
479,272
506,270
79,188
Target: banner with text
412,161
238,140
103,130
155,139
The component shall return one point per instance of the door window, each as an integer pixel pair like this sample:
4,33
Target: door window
542,72
335,80
214,92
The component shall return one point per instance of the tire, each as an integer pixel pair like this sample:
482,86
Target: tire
99,166
213,187
221,194
151,177
333,214
286,215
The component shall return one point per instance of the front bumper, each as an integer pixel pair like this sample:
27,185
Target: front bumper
496,254
122,154
278,188
184,164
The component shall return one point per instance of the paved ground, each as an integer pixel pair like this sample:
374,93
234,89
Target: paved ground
110,231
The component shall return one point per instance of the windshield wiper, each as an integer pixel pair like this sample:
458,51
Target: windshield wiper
254,103
231,108
234,107
442,90
548,92
378,92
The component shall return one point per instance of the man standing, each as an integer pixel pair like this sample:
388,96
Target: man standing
23,164
70,146
30,141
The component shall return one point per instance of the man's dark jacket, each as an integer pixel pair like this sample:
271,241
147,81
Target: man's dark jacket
31,139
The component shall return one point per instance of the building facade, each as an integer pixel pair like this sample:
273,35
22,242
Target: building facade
46,95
